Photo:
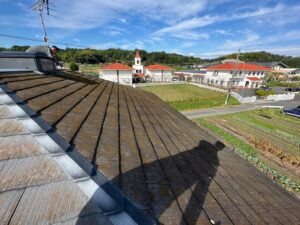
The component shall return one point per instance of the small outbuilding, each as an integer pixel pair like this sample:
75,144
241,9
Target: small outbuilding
159,73
117,72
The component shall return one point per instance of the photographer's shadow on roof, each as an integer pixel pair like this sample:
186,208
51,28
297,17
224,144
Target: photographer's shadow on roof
186,178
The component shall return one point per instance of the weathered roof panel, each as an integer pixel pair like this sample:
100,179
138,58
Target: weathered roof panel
53,202
19,146
11,127
22,172
9,201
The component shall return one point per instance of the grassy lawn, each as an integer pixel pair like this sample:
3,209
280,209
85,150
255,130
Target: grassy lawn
265,137
188,97
90,69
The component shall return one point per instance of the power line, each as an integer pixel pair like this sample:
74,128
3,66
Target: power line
38,40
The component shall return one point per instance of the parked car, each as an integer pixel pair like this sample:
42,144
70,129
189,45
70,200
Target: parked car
265,87
292,89
293,112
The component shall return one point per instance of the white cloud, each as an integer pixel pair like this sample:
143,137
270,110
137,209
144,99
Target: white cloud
95,13
223,32
198,22
114,31
123,44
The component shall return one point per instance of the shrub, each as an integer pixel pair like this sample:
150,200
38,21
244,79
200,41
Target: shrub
261,92
74,66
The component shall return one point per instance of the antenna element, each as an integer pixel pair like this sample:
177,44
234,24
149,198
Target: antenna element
39,8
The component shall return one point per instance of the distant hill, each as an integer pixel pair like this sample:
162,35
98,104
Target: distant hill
92,56
263,57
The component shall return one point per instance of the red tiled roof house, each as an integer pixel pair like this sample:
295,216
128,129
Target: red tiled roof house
236,74
159,73
117,72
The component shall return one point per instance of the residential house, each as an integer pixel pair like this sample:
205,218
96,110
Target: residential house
158,73
236,74
117,72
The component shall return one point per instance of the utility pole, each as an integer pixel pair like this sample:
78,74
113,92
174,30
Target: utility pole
236,65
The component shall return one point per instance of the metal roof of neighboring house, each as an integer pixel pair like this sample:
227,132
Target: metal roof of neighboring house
137,55
271,64
158,67
170,168
253,78
116,66
239,66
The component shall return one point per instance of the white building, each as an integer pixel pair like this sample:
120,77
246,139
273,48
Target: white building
236,74
117,72
158,73
138,66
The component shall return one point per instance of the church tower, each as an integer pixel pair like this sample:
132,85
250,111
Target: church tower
138,66
137,59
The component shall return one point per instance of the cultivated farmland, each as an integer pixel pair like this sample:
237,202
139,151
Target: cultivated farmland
266,137
188,97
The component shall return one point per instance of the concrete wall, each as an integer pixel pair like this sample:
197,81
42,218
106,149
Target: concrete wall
243,99
288,96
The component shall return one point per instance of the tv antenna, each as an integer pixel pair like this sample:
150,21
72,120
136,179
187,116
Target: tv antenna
40,7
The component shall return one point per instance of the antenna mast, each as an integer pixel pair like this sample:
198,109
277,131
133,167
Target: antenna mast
39,8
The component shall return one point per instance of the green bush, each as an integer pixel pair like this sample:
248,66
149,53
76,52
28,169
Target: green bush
261,92
74,66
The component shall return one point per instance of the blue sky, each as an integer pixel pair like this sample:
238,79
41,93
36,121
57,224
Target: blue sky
204,28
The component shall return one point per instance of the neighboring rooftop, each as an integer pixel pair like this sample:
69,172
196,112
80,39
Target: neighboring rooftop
116,66
238,66
253,78
272,64
158,67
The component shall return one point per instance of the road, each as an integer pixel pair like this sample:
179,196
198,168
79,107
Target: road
240,108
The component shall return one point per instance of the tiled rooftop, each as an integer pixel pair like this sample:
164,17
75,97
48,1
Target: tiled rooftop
173,170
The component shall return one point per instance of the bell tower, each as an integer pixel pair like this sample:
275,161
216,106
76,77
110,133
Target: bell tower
138,66
137,59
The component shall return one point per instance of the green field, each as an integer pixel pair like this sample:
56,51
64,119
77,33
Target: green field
90,69
188,97
266,137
